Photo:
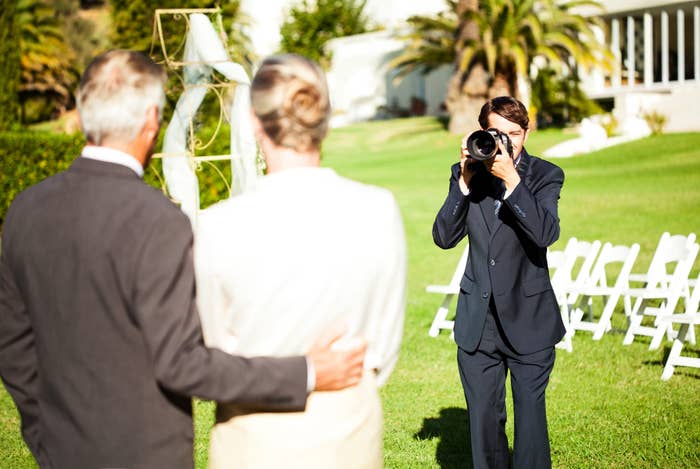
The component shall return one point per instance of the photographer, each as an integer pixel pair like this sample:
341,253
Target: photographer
507,318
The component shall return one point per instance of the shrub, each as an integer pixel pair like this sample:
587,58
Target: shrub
10,71
559,99
311,24
27,158
656,121
609,123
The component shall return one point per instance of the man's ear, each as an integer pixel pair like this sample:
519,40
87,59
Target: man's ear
152,124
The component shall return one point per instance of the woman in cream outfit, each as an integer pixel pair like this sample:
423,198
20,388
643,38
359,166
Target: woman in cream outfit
305,252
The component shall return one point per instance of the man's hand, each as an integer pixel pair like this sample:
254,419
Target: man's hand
465,169
336,367
503,167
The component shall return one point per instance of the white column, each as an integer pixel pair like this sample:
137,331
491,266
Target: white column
630,51
615,80
696,42
664,47
648,50
680,46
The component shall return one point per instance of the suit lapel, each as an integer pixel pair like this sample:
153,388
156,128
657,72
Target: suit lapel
522,169
487,204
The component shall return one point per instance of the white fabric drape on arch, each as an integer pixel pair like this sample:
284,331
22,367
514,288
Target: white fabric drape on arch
204,53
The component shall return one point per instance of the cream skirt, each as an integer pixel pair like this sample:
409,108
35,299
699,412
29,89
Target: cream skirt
338,429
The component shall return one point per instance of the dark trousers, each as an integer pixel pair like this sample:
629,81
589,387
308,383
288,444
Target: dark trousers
483,375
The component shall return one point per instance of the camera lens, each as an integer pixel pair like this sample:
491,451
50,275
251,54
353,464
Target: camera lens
482,145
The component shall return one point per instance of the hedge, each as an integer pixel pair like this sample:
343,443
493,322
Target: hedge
27,158
10,71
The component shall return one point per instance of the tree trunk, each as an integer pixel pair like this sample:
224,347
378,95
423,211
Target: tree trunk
502,86
465,96
467,89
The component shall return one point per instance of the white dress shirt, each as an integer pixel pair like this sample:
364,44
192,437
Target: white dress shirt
304,251
110,155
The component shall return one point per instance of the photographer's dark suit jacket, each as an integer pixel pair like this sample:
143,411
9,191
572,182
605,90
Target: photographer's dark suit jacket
100,341
507,254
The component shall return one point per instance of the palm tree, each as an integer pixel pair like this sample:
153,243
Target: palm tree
496,42
430,43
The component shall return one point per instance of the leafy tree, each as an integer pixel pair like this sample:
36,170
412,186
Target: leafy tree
559,99
430,43
496,42
84,35
133,27
10,72
311,24
132,22
48,75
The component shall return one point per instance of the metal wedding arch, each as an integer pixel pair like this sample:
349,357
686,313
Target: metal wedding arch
183,153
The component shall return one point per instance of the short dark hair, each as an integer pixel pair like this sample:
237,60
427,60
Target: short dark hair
506,107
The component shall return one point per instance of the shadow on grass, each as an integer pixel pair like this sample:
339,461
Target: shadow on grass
679,370
452,430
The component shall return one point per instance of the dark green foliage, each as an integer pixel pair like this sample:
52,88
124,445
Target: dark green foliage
10,71
85,35
132,23
27,158
559,100
311,24
133,26
48,68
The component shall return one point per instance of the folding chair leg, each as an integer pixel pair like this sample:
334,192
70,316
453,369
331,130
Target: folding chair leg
565,342
657,337
674,358
440,321
634,323
605,323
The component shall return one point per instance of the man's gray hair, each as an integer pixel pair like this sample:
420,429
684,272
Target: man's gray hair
116,91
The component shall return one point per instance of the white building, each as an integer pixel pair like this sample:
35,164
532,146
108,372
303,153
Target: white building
360,83
656,44
657,50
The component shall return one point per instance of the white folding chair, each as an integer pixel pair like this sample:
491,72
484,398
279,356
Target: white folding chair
663,288
687,322
440,320
598,286
555,261
565,278
668,245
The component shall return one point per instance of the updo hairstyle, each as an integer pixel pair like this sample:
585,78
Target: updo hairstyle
289,95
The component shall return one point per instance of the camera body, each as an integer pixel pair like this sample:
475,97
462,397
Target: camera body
483,144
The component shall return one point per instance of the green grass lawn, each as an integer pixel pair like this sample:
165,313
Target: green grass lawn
607,406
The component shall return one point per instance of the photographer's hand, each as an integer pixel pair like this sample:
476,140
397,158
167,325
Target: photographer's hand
464,164
503,167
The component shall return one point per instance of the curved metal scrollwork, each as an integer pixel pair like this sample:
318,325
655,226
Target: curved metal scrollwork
205,69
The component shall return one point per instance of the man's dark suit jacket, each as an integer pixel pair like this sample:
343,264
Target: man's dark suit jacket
507,254
100,341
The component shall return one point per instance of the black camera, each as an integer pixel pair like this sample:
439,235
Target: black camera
483,144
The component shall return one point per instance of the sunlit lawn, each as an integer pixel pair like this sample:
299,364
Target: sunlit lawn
607,406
